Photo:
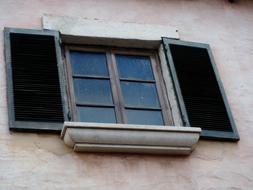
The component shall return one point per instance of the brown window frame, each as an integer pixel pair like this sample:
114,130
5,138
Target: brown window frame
114,79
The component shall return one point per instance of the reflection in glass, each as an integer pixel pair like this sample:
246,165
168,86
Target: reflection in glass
134,67
93,91
140,94
144,117
96,114
88,63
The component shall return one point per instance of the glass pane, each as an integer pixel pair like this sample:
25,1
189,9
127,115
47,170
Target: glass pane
144,117
135,67
93,91
96,114
140,94
88,63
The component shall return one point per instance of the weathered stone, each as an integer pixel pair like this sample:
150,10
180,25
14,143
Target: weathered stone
102,137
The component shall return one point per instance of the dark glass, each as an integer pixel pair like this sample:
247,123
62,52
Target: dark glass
93,91
134,67
144,117
88,63
96,114
140,94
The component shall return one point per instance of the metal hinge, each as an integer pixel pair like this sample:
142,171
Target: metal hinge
69,116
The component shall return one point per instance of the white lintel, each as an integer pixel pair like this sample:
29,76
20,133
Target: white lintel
95,31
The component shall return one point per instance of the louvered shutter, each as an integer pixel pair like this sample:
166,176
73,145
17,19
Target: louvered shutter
35,81
200,94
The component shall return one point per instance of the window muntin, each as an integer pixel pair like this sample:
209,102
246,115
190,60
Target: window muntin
117,87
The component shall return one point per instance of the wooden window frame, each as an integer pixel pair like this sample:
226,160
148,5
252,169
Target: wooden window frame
114,79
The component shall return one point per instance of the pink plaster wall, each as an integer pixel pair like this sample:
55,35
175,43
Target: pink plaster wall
32,161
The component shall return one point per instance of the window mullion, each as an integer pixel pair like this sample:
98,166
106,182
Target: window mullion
117,92
115,88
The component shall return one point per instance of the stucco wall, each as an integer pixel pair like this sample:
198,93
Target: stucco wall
33,161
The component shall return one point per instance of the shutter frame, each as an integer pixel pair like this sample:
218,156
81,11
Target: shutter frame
206,134
36,126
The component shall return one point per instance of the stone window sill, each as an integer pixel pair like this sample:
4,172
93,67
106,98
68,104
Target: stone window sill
125,138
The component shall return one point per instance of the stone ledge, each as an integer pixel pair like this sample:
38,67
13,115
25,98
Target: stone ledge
125,138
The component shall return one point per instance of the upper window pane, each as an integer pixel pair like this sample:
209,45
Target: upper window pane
134,67
137,94
88,63
93,91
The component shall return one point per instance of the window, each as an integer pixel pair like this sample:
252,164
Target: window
111,85
116,86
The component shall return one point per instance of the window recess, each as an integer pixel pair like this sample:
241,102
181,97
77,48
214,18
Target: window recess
116,86
118,104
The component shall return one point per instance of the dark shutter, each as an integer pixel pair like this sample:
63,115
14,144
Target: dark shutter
199,90
35,90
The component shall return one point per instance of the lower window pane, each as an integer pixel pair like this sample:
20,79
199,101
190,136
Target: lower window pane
96,114
93,91
144,117
139,94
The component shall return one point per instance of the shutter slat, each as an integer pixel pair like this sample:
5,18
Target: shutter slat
36,87
201,96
